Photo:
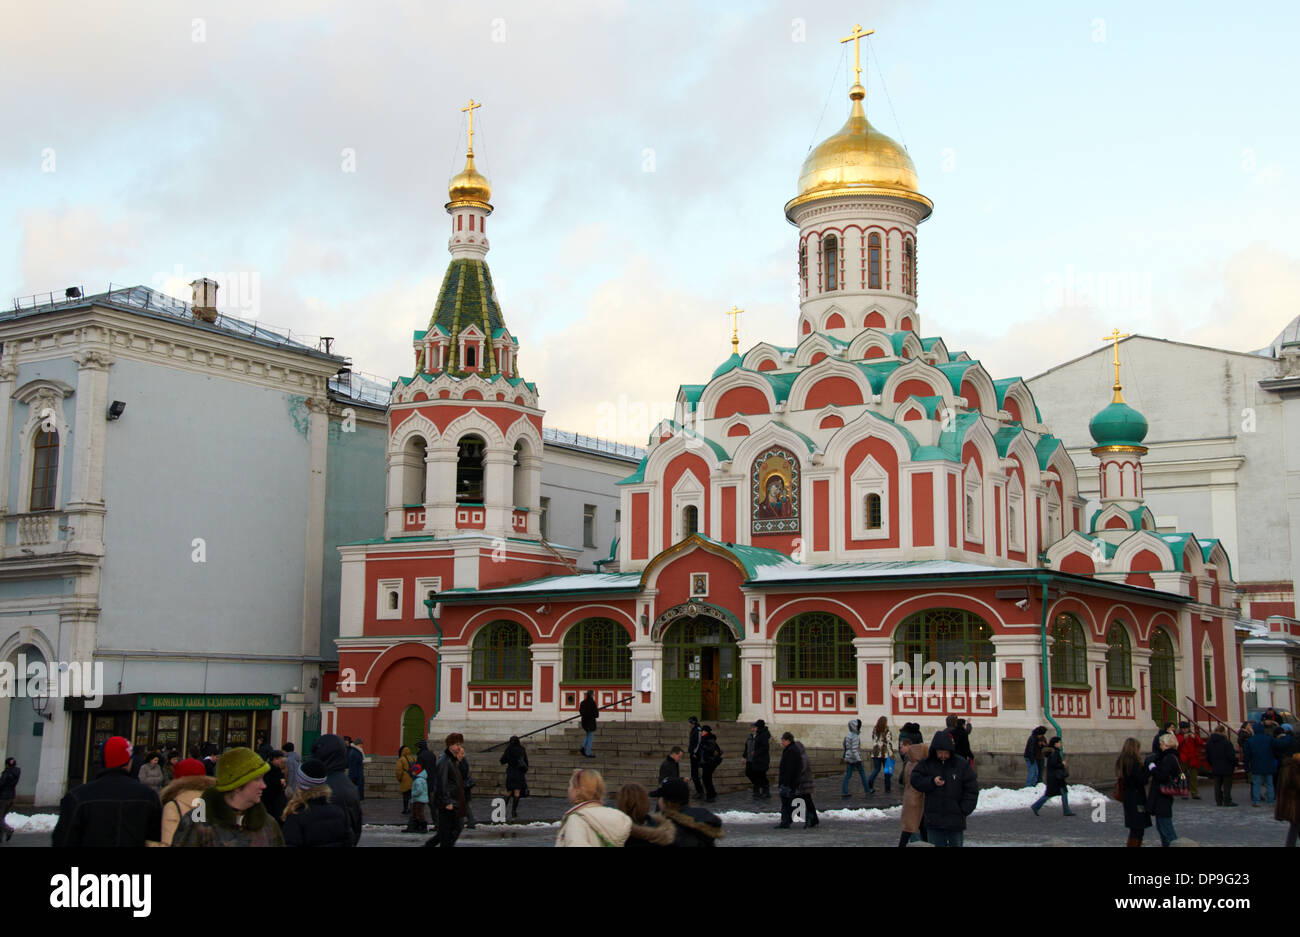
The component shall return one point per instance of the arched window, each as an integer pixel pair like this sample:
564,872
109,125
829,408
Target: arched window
502,653
414,470
690,520
944,635
1069,652
909,259
816,646
803,266
45,471
873,512
873,262
471,356
597,649
393,600
1164,693
469,470
831,261
1119,658
520,486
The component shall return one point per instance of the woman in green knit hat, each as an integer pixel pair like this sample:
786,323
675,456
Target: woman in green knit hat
230,813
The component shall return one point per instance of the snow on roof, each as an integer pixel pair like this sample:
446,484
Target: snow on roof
793,570
582,582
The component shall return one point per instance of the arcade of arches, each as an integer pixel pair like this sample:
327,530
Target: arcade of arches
702,672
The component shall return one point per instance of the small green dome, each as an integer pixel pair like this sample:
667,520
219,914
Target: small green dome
1118,425
729,365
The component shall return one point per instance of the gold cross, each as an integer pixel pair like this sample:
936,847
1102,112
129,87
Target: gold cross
1114,337
735,334
856,35
471,107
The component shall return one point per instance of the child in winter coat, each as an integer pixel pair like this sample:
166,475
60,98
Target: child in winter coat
853,757
419,822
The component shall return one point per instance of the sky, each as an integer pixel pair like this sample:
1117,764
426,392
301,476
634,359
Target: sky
1093,165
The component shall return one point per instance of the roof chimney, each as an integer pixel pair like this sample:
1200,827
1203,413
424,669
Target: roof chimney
204,302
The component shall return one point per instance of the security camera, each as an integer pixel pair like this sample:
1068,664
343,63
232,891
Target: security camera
1022,604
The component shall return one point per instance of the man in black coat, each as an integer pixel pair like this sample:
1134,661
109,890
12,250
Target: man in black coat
795,780
274,798
8,791
447,793
693,749
589,712
1222,756
112,810
333,754
960,730
757,758
951,791
671,767
427,757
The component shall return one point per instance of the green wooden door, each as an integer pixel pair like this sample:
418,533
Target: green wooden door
684,646
412,726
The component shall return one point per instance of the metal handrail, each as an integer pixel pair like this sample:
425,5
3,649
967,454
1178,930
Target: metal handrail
618,702
1191,720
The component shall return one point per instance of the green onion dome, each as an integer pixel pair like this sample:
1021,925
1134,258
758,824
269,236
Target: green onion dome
1118,425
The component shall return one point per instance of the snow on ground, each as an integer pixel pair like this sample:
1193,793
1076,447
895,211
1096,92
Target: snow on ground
995,799
36,823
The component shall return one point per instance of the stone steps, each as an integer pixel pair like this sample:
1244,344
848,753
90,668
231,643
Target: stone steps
625,752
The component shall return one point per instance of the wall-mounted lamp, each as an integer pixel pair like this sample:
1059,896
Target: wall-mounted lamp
753,618
645,620
314,682
116,409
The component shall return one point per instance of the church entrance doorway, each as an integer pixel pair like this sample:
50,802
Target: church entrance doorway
701,671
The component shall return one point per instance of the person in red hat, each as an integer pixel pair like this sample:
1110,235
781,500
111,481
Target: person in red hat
113,810
182,794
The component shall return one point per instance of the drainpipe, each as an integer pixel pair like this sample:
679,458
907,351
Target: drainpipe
437,663
1046,676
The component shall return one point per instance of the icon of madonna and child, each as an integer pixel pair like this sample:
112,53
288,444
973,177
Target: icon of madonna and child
776,505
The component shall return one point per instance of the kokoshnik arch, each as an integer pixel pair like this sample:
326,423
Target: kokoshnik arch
816,513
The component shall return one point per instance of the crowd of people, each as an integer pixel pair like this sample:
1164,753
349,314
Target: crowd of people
1149,785
272,797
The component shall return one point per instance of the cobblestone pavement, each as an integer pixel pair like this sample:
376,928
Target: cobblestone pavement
855,822
1099,823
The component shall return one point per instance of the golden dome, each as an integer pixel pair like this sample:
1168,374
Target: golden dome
859,160
470,185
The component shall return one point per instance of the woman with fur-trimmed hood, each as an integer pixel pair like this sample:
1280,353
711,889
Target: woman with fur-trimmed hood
692,826
232,812
311,818
182,794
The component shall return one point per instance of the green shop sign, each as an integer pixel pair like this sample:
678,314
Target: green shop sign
201,701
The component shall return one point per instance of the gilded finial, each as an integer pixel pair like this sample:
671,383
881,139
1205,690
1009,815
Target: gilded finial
470,108
735,333
857,92
1114,337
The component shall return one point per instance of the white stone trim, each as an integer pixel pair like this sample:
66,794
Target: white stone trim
383,599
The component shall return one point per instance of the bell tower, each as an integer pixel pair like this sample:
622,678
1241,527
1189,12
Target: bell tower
857,209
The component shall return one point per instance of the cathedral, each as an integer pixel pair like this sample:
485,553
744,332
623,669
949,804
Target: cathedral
865,522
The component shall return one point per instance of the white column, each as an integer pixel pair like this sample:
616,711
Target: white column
757,650
395,519
878,652
448,712
86,484
498,492
440,491
647,653
317,437
547,655
8,372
